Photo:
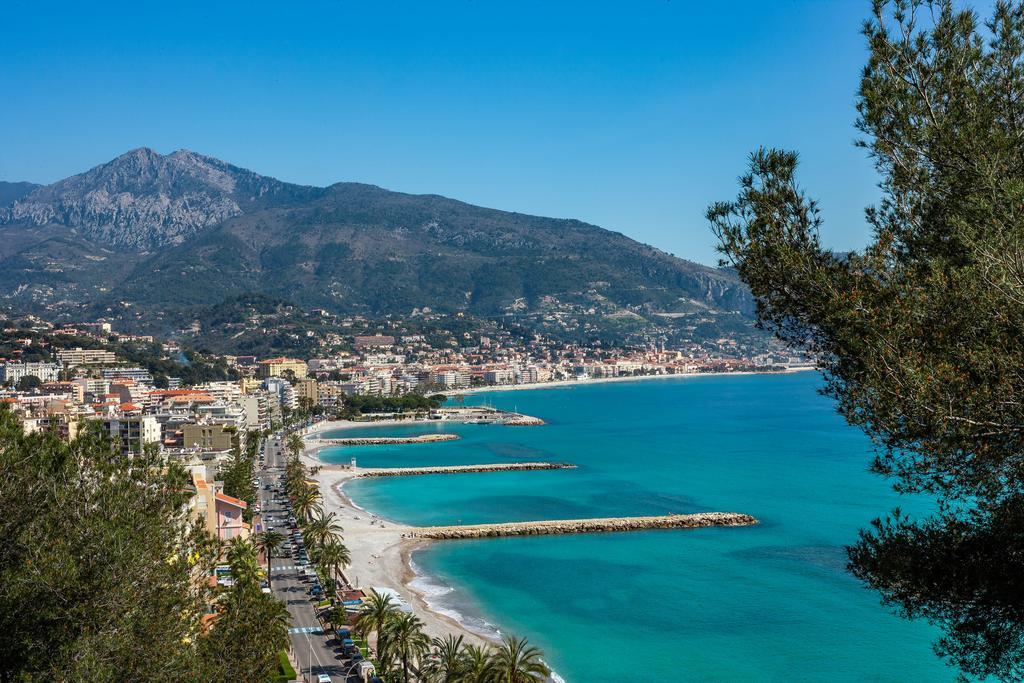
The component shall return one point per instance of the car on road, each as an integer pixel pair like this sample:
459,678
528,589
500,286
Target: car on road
323,678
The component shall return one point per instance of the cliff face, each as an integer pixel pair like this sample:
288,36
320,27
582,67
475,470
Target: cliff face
144,200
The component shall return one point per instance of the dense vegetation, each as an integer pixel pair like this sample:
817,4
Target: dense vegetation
408,403
104,573
240,470
919,335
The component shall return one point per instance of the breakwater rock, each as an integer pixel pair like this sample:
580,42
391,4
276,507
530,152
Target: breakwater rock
516,420
461,469
385,440
587,526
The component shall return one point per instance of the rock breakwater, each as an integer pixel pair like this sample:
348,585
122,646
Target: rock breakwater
587,526
461,469
384,440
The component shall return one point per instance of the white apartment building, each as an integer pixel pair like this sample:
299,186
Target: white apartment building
451,379
14,372
500,376
257,412
228,392
133,432
219,412
80,356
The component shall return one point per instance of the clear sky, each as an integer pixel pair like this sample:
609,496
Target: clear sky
631,115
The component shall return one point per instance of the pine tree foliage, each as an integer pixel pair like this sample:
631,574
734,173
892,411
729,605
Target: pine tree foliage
921,335
103,572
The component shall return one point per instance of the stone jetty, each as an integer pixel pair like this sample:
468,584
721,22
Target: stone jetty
383,440
460,469
586,526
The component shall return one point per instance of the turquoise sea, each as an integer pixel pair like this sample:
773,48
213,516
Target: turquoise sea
765,603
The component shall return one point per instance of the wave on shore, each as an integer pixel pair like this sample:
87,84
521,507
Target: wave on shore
433,593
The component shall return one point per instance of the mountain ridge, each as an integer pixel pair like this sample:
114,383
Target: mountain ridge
167,232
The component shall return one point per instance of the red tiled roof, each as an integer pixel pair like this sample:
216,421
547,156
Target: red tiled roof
230,500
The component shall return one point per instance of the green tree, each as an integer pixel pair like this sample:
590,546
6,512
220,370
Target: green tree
77,520
104,572
919,335
332,556
306,503
479,665
447,661
323,529
515,661
295,445
295,477
249,630
269,542
253,438
245,566
405,642
336,616
29,382
377,610
237,475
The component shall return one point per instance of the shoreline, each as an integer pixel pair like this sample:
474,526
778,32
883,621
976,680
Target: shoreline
564,383
382,550
382,553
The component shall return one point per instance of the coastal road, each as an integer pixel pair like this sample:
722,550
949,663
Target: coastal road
313,650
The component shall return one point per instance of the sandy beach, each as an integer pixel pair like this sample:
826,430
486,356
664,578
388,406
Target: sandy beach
381,549
380,556
562,383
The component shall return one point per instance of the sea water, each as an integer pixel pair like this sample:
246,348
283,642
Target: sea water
772,602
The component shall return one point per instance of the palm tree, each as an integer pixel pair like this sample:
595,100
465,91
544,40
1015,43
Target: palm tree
376,612
295,445
295,477
306,503
245,566
517,662
479,665
332,556
448,660
406,641
278,620
322,530
252,441
269,542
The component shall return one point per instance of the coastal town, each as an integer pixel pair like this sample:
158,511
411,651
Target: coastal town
248,431
55,378
494,342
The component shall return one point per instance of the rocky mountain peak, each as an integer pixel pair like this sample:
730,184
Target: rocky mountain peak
143,199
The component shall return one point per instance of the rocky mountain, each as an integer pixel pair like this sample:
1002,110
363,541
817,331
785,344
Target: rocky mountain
145,200
166,232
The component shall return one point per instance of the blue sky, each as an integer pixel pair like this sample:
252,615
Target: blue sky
631,115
